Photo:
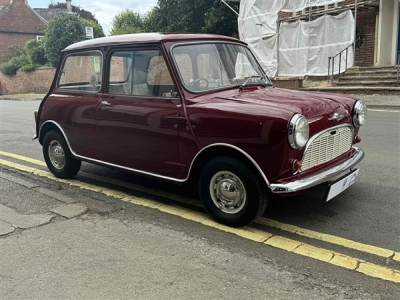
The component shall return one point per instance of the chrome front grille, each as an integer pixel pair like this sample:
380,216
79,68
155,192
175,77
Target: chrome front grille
327,146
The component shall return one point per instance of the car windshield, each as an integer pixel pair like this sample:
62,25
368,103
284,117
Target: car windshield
210,66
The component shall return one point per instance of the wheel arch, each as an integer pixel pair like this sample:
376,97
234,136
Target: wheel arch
50,126
216,150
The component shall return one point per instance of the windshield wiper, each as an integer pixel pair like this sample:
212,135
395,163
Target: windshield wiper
263,78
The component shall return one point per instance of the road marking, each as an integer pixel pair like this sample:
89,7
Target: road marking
332,239
253,234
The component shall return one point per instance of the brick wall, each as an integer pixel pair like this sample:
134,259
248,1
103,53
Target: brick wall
366,21
37,82
291,83
18,24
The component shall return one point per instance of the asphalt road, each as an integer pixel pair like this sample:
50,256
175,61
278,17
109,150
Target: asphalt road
128,249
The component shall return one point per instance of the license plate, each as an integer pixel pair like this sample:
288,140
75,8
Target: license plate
341,185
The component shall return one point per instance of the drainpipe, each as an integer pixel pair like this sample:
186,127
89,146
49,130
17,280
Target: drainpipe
355,31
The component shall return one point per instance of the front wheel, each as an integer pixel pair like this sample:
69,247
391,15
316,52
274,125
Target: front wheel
231,192
58,156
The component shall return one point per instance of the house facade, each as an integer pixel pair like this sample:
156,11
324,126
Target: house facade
20,23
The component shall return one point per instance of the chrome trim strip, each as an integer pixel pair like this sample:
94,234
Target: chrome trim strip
152,174
238,149
292,130
305,183
62,132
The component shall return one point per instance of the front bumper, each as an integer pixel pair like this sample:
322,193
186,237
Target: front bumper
308,182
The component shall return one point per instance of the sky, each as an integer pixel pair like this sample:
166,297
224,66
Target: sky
103,10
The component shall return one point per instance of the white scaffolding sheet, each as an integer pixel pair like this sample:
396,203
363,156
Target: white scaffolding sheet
304,47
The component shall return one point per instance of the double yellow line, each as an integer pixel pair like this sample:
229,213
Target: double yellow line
280,242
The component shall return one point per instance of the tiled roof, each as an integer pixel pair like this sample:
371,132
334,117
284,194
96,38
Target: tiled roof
49,13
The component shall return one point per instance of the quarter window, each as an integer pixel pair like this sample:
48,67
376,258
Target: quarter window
81,72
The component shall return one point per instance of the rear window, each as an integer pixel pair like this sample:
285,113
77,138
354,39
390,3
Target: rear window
81,72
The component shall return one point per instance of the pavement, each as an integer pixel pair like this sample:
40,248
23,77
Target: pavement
12,187
376,101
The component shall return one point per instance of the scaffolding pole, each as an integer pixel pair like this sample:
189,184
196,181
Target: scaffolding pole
223,1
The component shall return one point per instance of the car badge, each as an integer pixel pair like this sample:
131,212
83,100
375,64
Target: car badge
336,117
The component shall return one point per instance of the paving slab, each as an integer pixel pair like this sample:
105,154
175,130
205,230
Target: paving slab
14,219
70,210
6,228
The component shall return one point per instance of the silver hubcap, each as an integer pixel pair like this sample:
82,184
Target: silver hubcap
56,155
227,192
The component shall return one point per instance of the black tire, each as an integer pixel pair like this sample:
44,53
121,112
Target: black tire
231,192
58,156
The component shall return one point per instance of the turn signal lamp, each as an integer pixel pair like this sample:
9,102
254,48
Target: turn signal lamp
296,165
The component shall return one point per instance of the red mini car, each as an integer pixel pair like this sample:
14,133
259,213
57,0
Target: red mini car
183,107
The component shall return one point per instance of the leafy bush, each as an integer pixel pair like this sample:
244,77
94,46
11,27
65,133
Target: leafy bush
14,51
14,64
29,67
35,52
8,69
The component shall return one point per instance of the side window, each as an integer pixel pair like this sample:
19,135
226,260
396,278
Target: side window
120,72
81,72
140,73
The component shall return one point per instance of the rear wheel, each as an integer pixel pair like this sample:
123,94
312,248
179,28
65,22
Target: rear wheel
231,192
58,156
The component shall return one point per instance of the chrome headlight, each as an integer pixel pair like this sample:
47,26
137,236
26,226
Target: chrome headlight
359,113
299,131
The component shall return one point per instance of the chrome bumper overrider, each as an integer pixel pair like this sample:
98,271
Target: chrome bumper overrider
325,176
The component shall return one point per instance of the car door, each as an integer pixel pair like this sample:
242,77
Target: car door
73,102
139,115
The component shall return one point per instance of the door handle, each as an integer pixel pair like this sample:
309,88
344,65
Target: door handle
105,103
176,120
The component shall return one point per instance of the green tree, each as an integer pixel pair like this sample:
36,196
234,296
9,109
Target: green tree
62,31
151,20
207,16
127,21
183,15
97,29
35,52
219,19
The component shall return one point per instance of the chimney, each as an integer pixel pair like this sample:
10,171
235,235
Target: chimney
69,6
